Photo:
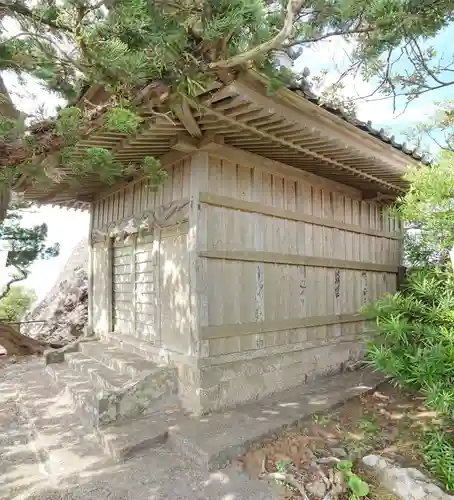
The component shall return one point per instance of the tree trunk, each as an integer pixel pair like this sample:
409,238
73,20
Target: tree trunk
17,344
7,109
5,198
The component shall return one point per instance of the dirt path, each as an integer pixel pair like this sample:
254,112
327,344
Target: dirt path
385,422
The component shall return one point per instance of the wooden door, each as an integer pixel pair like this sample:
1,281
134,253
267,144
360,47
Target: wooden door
122,287
146,259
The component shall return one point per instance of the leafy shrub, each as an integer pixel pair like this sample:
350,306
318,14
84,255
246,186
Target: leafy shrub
415,342
357,487
415,326
439,456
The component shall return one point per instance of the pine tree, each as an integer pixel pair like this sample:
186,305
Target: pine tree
26,245
16,303
161,52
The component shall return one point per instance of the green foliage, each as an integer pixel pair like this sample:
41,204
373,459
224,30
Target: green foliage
68,123
27,244
333,94
438,129
122,120
175,49
8,127
357,486
415,326
283,466
16,303
438,452
154,172
102,162
428,210
415,344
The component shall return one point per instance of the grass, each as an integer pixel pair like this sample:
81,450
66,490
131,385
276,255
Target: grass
369,426
438,454
321,419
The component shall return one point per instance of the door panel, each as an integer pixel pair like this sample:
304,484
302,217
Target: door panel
150,294
122,288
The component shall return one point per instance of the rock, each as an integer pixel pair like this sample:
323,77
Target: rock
406,484
339,452
338,477
374,462
339,485
52,356
58,355
317,489
62,315
75,331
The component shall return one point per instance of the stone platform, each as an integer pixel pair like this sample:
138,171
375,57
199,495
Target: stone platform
48,451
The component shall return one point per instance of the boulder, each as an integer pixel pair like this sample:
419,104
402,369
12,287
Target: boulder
404,483
62,315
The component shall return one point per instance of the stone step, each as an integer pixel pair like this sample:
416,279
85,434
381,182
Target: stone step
104,395
136,346
213,440
59,438
124,441
111,355
91,403
101,376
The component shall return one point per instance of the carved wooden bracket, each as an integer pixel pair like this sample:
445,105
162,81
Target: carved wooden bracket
166,215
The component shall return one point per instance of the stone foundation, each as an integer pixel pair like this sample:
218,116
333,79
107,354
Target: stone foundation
233,383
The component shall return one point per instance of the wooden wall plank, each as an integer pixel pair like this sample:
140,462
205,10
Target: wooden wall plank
233,330
254,207
137,197
288,250
296,260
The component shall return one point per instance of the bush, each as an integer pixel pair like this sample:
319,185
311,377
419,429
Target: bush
415,327
438,453
415,341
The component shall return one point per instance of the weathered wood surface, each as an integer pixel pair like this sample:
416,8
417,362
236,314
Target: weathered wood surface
137,197
278,251
266,249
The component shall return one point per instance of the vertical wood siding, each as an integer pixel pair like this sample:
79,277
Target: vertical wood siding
270,292
123,287
101,285
174,290
142,268
146,287
255,337
138,197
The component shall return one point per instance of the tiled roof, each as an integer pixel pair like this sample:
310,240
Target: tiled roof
415,153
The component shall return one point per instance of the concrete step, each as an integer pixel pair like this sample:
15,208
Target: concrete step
136,346
59,438
111,355
124,441
108,385
101,376
215,439
91,403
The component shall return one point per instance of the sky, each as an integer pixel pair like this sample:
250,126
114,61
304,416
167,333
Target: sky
66,227
69,227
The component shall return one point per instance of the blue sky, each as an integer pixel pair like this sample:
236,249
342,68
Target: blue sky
69,227
333,55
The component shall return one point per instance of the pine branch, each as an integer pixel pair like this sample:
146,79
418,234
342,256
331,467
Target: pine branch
22,10
355,31
293,7
15,279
